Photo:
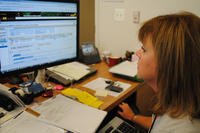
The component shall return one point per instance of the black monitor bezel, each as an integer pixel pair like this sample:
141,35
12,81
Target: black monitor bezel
46,65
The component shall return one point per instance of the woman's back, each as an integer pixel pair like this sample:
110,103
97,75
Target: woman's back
166,124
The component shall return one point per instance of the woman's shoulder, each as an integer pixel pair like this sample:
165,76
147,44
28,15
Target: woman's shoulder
167,124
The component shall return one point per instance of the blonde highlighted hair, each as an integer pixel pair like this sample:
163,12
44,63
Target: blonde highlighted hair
176,42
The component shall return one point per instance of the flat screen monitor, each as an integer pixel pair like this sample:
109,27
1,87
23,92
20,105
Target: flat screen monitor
36,34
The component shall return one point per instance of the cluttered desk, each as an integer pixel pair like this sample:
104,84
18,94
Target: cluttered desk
109,101
104,102
96,86
46,39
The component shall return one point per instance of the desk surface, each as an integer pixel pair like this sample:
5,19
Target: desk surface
109,101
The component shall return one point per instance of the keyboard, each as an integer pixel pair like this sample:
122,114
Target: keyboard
117,125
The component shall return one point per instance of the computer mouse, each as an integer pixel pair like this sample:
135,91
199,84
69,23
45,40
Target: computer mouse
58,87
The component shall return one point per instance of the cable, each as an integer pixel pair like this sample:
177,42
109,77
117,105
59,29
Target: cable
34,77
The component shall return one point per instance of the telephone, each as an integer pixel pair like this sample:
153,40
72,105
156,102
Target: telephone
89,54
7,103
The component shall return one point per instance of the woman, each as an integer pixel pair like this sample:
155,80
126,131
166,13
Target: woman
169,62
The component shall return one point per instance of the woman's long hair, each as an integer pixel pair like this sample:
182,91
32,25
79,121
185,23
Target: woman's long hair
176,42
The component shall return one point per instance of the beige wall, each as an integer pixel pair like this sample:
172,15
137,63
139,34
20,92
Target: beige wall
119,36
87,21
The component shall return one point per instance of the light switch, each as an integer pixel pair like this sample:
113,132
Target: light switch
136,17
119,14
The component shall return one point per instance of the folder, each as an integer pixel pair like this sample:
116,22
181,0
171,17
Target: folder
82,96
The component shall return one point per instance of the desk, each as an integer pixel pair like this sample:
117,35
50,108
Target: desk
109,101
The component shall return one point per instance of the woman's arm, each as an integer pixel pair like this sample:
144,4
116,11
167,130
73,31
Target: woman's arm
128,114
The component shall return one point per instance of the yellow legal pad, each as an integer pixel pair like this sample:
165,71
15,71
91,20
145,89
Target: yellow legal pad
82,96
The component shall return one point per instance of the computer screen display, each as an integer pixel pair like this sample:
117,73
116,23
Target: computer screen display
37,34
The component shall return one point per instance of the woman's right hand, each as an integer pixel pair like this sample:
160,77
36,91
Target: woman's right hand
127,112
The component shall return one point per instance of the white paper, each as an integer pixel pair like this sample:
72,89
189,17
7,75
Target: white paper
27,123
71,114
100,83
101,93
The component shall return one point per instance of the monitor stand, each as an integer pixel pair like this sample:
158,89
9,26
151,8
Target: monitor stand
40,76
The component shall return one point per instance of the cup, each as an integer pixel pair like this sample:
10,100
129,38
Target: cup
105,55
113,60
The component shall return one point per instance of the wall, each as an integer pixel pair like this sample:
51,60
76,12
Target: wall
119,36
87,21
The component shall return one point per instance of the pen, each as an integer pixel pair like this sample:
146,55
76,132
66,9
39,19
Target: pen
18,114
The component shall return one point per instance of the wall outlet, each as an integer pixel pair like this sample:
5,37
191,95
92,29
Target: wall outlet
119,14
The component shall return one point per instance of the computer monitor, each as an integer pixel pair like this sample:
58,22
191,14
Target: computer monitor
36,34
